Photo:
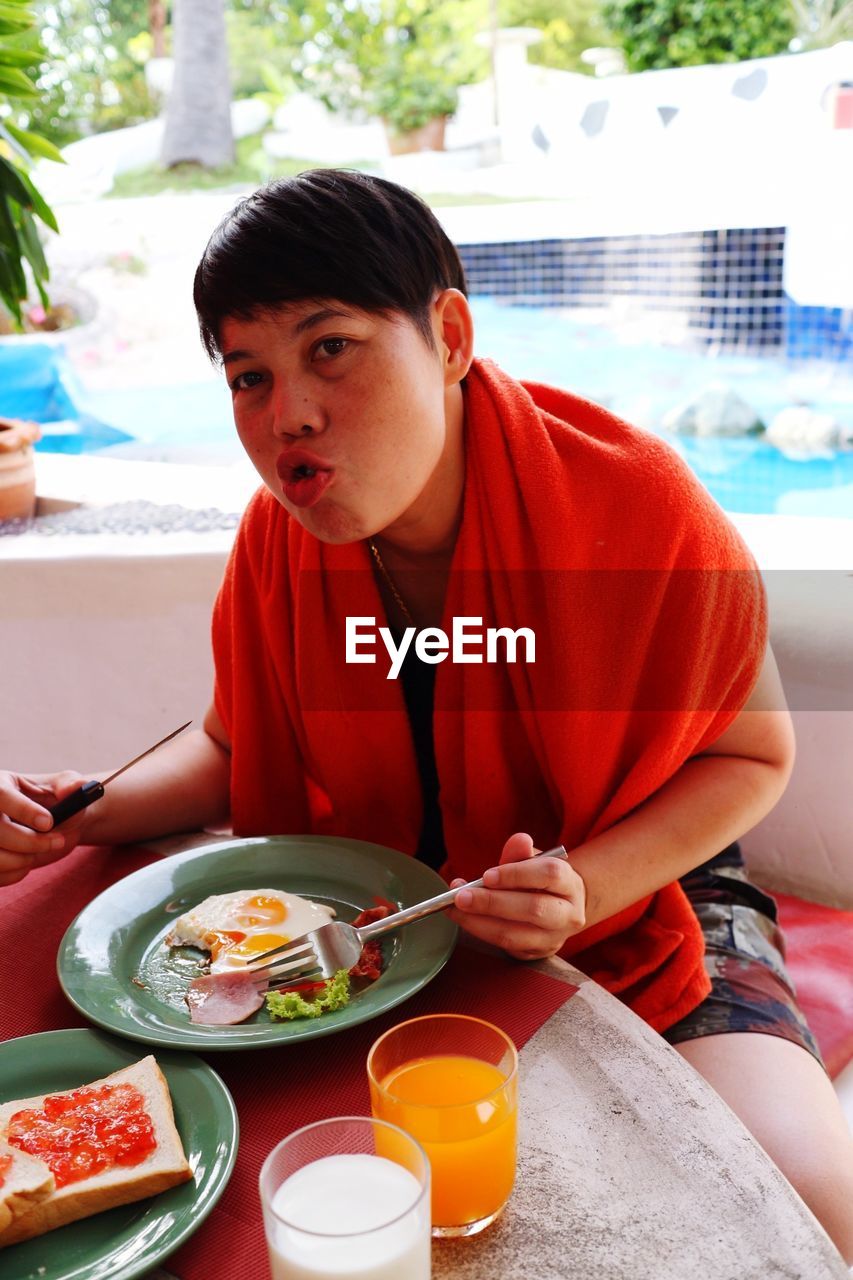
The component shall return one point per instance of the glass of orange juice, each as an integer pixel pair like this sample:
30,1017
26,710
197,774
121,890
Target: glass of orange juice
452,1083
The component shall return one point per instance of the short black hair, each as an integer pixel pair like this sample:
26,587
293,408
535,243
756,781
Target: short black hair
326,233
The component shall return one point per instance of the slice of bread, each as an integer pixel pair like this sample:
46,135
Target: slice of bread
165,1167
24,1181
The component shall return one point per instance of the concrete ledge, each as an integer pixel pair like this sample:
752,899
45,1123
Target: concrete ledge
98,479
106,649
110,633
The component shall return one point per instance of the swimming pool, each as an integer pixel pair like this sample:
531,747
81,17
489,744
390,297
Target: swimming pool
616,367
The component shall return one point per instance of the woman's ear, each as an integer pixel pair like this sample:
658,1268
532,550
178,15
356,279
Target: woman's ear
453,326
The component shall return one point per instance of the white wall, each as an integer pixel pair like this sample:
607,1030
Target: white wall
106,646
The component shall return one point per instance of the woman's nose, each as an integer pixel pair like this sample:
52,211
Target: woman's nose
297,417
300,432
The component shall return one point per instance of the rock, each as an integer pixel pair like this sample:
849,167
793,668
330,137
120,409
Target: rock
799,427
716,410
302,112
249,116
637,408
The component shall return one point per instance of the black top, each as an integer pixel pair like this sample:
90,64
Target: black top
418,680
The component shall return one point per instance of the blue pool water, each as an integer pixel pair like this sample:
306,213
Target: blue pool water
638,379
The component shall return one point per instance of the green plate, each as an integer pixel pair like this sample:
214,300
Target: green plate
115,968
130,1240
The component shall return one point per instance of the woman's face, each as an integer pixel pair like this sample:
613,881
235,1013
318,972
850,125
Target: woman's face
353,421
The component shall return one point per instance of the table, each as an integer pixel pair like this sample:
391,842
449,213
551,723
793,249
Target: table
630,1167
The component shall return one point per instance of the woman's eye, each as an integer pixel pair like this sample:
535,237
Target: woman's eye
244,380
330,347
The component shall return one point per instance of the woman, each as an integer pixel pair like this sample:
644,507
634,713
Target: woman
627,704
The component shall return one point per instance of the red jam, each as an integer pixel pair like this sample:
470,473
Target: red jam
87,1131
5,1166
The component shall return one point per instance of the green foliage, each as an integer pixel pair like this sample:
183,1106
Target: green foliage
317,38
401,59
568,27
255,43
411,102
277,87
88,68
684,33
20,201
822,23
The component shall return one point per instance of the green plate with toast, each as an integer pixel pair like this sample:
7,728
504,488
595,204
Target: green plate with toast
129,1241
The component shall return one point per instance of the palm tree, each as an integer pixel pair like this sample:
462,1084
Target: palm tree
821,23
157,27
198,111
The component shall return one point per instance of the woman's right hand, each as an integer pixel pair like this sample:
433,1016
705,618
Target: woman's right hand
26,836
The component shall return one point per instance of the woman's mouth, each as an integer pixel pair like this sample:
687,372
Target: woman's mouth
304,483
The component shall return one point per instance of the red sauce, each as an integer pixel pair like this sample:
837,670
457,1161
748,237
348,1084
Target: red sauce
369,963
5,1166
87,1131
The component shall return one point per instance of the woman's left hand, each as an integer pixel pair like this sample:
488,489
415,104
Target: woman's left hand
528,906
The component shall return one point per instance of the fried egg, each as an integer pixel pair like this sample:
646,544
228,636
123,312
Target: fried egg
237,927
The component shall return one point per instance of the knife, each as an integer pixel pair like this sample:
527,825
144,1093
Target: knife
91,791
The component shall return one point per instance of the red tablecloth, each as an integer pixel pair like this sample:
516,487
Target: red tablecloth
275,1090
34,915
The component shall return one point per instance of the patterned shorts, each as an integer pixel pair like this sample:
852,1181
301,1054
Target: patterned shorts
751,989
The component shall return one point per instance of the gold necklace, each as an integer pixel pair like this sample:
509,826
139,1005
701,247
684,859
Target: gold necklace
391,585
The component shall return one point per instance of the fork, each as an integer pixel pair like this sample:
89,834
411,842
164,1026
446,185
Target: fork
337,945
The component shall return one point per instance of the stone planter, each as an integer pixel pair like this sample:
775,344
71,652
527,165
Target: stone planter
430,137
17,468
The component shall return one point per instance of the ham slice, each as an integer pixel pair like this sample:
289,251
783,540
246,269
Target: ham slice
221,999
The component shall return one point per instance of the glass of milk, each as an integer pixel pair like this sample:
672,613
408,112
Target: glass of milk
347,1199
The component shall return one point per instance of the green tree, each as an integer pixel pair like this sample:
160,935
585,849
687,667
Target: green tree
684,33
822,23
87,68
403,59
197,128
254,42
20,201
568,27
278,31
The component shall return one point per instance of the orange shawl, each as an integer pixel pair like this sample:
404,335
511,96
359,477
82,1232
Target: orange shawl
650,631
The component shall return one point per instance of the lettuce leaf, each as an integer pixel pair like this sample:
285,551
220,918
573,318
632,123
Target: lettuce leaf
285,1005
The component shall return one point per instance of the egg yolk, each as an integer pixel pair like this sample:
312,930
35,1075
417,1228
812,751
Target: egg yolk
217,941
261,909
258,943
